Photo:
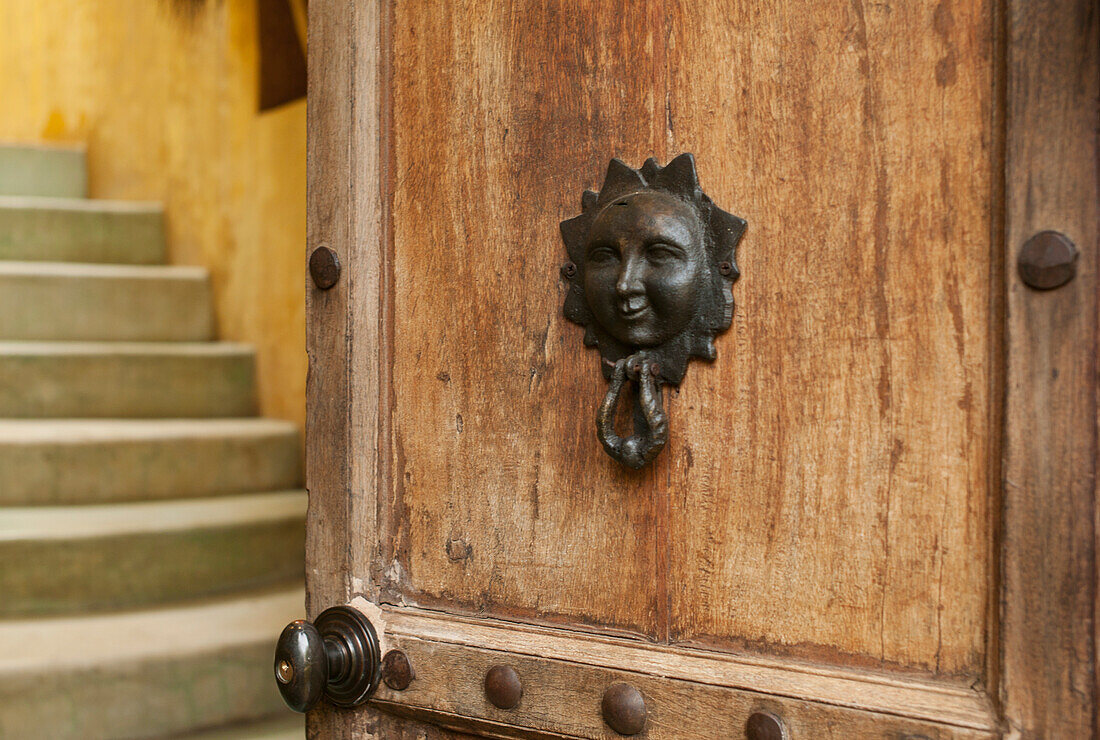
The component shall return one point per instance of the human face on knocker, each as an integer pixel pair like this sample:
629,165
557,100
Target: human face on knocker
644,263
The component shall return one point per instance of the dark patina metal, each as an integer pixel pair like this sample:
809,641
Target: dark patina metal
337,656
1048,260
650,277
623,709
502,687
397,671
765,726
324,267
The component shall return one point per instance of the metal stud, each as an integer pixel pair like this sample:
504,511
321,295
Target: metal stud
324,267
503,687
765,726
397,671
623,709
1048,260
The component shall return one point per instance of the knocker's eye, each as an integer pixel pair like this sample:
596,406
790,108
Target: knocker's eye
661,253
603,255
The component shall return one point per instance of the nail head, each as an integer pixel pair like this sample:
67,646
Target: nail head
324,267
1047,260
623,709
503,688
765,726
397,671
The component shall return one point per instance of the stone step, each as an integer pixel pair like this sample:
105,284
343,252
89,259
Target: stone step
143,674
126,380
74,559
287,726
72,230
81,461
56,172
75,301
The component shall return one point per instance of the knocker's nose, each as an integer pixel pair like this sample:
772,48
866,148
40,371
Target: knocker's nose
630,279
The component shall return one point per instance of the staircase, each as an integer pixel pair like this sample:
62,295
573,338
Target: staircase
151,526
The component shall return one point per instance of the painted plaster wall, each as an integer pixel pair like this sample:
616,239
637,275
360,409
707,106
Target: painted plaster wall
163,95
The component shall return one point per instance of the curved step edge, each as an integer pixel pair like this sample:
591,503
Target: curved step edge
141,674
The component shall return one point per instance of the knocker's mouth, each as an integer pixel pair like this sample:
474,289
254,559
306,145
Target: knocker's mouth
633,307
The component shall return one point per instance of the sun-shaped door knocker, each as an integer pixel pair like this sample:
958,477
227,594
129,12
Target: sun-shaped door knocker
650,279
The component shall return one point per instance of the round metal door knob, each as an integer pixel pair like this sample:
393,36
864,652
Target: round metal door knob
337,657
502,687
623,709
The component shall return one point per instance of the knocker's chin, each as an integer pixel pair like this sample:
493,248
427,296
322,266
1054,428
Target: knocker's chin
669,358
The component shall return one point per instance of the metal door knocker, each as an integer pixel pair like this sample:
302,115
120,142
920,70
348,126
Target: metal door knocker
650,279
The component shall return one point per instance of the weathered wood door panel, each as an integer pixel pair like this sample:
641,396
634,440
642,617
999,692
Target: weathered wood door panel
823,537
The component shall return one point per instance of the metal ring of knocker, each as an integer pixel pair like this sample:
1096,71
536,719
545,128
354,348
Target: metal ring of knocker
650,421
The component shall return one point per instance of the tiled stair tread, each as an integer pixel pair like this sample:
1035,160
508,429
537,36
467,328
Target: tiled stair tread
91,431
125,379
52,171
86,461
80,230
75,301
22,348
92,270
115,520
286,726
100,640
79,559
79,205
147,673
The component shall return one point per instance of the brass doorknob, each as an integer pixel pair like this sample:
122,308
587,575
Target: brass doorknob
337,656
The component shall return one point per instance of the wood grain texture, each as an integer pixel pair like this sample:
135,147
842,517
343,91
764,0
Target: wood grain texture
1048,601
503,502
331,208
825,490
832,463
688,694
950,704
826,493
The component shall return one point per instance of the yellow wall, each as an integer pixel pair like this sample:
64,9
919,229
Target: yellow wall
163,93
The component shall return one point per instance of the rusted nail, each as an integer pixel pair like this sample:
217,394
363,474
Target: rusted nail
503,687
569,270
397,671
726,268
623,709
458,550
1048,260
324,267
765,726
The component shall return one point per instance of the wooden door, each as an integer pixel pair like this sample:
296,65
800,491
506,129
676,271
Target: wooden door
874,517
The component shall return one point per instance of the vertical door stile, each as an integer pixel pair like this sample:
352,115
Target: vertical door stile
1048,599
